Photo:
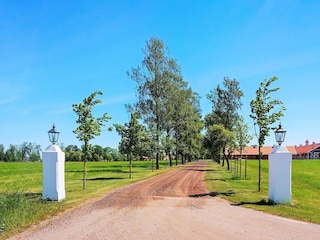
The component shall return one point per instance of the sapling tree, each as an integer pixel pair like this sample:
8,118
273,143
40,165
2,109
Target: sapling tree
242,140
135,139
89,126
265,111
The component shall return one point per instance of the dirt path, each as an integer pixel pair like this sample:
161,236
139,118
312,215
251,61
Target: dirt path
166,207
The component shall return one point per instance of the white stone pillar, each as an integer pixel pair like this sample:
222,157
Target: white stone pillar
280,161
53,173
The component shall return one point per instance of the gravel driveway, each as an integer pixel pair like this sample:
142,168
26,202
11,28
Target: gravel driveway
166,207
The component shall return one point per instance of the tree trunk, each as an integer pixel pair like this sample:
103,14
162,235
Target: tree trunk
157,159
177,159
130,159
246,167
228,164
259,174
240,164
85,165
84,174
170,159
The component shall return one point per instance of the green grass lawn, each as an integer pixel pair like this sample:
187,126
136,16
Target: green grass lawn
305,189
21,189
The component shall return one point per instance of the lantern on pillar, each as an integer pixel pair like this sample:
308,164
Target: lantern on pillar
280,134
53,135
53,159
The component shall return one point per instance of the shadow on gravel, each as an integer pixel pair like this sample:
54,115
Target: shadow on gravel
262,202
212,194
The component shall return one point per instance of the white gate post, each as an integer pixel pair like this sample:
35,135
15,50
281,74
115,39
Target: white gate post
280,161
53,160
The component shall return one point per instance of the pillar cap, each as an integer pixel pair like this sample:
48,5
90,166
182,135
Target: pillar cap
53,148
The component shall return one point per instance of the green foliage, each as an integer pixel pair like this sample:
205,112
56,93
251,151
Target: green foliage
135,138
217,139
74,156
168,107
225,104
241,134
265,111
242,191
88,126
152,80
223,119
25,152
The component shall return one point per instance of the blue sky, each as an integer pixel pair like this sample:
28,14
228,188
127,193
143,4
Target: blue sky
55,53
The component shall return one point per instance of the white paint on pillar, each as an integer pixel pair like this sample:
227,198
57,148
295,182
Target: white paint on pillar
280,161
53,160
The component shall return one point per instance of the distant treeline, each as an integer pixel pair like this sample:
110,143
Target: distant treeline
31,152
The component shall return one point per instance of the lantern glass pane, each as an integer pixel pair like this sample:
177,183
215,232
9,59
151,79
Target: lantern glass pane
280,135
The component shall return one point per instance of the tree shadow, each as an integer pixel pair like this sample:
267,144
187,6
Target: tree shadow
262,202
100,171
104,178
216,179
213,194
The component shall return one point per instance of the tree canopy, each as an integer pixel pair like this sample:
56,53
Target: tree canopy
160,87
226,103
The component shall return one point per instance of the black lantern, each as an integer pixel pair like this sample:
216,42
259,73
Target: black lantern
53,135
280,134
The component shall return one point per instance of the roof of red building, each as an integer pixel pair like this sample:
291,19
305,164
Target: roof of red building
307,148
254,150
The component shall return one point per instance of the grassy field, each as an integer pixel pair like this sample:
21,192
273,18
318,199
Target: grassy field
305,189
21,189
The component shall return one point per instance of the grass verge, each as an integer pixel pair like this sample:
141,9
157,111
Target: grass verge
243,191
21,203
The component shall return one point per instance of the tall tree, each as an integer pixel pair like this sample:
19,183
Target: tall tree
191,125
265,111
2,153
154,78
11,154
183,122
88,126
226,102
